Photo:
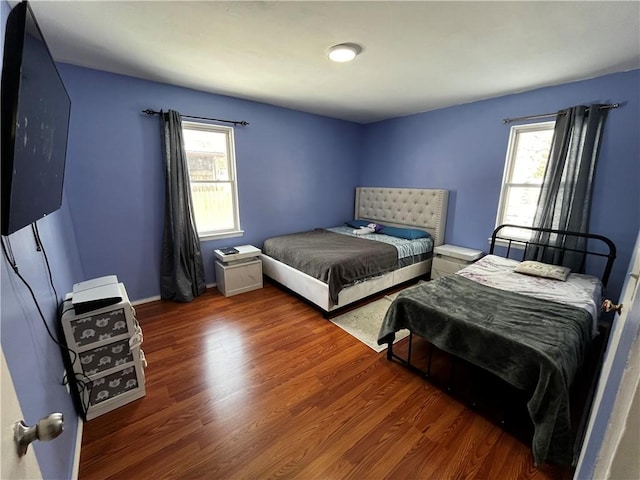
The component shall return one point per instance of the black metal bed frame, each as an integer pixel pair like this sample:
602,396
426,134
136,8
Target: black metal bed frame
596,246
596,249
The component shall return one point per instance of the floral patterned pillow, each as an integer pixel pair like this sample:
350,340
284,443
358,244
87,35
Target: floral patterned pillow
538,269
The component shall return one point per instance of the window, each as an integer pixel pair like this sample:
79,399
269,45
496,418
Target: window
212,172
527,155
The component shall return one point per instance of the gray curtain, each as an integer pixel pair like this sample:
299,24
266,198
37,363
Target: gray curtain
567,188
181,270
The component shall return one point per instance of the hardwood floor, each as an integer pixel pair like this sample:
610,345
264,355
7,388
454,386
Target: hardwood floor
261,386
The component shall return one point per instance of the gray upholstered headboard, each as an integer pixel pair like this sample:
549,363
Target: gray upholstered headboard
405,207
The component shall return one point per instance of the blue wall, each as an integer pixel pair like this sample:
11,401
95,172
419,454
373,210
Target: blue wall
463,149
601,417
298,170
295,171
34,361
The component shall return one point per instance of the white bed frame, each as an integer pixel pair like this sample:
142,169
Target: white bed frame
399,207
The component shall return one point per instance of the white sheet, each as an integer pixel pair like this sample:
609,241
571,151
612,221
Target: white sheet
582,291
406,248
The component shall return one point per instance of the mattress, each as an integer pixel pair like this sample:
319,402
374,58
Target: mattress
337,260
533,344
581,291
340,258
406,248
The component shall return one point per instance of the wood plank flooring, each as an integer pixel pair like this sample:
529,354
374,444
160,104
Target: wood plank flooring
260,386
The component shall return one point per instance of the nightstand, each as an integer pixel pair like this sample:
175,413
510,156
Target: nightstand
449,259
238,272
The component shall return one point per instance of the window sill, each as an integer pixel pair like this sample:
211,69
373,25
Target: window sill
519,244
220,236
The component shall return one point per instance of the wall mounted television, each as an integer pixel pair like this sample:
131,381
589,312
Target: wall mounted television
35,123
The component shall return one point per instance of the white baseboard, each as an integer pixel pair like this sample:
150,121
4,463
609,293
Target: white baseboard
146,300
76,455
157,297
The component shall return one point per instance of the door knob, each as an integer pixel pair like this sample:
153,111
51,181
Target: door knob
46,429
608,306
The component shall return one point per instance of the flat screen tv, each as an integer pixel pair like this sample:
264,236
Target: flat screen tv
35,122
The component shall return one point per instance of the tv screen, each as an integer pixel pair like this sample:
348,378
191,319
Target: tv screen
35,122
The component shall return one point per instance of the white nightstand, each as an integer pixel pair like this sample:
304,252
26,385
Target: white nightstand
449,259
238,272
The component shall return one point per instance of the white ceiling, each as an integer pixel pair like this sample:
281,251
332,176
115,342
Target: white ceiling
416,56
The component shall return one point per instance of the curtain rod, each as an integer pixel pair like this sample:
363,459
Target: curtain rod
148,111
549,115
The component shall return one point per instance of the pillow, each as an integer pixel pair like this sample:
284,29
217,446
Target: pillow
370,228
357,223
376,227
538,269
408,233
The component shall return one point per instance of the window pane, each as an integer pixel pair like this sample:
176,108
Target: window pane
532,152
213,205
527,157
207,154
515,233
521,205
211,164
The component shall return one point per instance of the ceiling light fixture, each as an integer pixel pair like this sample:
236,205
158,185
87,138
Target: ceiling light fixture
345,52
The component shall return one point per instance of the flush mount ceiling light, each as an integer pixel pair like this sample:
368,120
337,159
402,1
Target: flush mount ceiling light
345,52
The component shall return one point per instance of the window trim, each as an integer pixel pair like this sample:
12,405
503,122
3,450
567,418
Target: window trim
236,230
509,165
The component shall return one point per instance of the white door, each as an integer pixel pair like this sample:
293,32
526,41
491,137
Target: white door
608,442
13,467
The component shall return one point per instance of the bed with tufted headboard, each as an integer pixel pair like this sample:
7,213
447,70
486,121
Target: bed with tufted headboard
333,268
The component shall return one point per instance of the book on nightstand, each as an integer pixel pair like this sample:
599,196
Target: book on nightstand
242,252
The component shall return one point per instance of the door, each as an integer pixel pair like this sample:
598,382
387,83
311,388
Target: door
11,466
605,421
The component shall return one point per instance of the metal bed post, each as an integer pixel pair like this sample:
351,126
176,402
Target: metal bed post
390,351
451,372
600,258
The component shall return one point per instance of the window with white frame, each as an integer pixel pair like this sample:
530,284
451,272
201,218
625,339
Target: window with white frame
527,155
212,172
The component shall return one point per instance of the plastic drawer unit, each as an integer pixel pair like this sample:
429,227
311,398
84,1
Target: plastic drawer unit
106,356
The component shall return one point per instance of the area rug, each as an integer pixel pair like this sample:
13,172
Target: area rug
364,322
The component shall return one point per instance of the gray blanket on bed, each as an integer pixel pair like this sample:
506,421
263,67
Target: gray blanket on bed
534,345
337,260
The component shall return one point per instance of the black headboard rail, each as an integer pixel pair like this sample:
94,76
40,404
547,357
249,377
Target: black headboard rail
597,246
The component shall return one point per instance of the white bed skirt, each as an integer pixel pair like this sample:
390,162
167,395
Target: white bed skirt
317,292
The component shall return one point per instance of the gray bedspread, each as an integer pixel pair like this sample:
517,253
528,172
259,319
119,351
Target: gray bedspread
338,260
534,345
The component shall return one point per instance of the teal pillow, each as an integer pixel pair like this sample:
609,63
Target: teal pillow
357,223
407,233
